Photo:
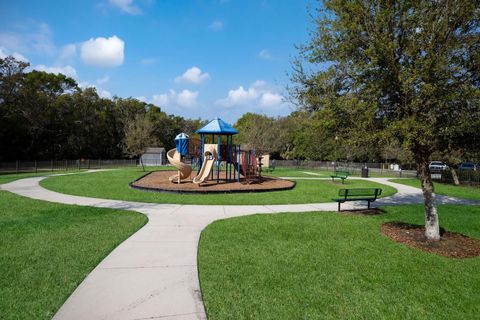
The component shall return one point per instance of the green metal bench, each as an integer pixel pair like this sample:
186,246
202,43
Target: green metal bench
340,175
358,194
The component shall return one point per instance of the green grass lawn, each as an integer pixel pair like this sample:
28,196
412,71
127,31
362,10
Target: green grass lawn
300,172
321,173
6,178
114,185
464,192
332,266
9,177
47,249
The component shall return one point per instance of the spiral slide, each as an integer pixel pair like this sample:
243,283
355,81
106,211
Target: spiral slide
209,158
184,169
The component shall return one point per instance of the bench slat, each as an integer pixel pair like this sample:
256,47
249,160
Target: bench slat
358,194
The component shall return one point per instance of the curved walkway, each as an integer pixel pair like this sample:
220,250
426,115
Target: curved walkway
153,274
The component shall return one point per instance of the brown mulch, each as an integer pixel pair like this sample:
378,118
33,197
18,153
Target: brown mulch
451,244
363,212
159,181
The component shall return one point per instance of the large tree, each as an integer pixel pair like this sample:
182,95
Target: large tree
139,135
258,130
406,70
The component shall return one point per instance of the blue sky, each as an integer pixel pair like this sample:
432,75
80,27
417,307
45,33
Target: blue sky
194,58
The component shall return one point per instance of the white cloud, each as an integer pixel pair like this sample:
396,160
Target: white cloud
270,99
184,98
141,98
193,75
259,84
217,25
69,71
42,40
18,56
148,61
258,94
163,99
239,96
126,6
103,80
12,41
264,54
31,37
104,93
68,52
187,98
103,52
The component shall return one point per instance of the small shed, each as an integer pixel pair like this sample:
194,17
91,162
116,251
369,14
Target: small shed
153,157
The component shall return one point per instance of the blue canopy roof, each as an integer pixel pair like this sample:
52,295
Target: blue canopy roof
217,126
181,142
181,136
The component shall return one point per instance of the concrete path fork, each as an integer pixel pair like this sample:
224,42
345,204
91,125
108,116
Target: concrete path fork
153,274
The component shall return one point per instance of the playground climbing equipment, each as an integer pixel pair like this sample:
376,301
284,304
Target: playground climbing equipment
218,158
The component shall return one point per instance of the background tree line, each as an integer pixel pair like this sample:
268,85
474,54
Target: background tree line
313,135
47,116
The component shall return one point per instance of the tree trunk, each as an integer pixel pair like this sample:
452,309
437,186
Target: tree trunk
432,227
454,176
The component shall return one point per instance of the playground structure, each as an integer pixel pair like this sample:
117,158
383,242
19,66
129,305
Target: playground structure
217,157
184,169
209,158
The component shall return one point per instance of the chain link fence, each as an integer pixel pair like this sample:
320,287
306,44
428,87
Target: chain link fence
355,168
465,177
65,165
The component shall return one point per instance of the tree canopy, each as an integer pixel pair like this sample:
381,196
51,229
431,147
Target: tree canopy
46,116
396,72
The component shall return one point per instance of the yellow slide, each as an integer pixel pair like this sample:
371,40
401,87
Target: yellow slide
209,158
184,169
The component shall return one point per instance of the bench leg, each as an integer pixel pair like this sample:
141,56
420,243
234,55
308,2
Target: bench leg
368,204
339,207
343,181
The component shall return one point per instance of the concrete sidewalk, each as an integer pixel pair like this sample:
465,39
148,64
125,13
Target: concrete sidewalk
153,274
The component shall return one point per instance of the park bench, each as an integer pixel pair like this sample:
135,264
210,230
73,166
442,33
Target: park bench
358,194
340,175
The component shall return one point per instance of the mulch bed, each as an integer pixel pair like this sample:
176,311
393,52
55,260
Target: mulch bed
158,181
451,244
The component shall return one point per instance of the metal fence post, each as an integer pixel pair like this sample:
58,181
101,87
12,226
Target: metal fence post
36,170
16,167
66,165
51,165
